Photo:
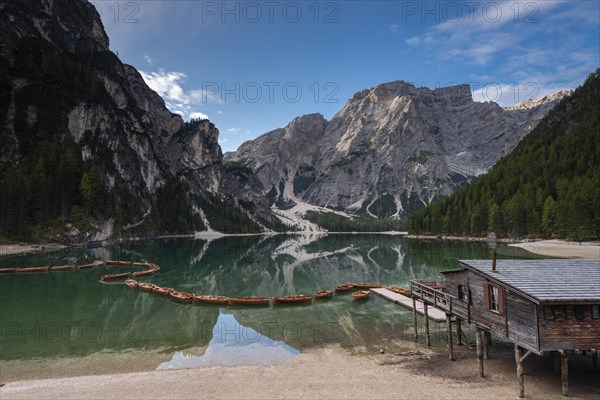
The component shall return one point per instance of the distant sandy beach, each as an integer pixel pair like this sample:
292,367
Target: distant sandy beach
561,248
331,373
6,249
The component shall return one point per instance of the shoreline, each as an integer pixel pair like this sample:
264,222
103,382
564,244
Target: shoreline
11,249
561,248
552,248
447,238
331,372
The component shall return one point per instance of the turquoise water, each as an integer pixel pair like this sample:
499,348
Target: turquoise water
69,323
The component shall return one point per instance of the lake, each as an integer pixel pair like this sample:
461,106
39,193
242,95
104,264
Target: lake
67,323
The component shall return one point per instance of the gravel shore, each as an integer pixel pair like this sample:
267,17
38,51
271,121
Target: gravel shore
331,373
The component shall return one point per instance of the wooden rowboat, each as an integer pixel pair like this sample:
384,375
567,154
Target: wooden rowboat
9,270
63,268
250,301
111,277
292,299
344,288
131,283
95,264
366,286
121,263
205,298
146,287
162,291
399,290
141,264
181,296
321,294
33,270
360,295
142,273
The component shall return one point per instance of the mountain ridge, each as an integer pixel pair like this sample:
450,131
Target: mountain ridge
340,164
86,141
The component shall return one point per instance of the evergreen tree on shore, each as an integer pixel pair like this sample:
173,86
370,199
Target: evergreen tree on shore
548,186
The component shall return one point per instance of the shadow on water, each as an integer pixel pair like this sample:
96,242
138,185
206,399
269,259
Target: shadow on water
71,315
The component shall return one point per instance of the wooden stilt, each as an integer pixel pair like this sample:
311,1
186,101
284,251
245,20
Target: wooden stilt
520,380
595,359
415,327
487,339
556,355
427,336
450,341
564,367
458,332
479,340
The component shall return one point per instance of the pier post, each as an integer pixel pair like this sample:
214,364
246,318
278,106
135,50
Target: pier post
415,327
450,341
487,339
427,336
595,359
520,380
479,340
564,367
458,332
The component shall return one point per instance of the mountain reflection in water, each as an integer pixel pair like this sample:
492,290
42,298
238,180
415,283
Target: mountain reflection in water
234,344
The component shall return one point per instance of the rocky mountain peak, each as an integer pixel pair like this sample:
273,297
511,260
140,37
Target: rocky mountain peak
72,26
391,149
551,98
66,88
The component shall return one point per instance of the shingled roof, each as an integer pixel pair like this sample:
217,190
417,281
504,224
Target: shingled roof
563,280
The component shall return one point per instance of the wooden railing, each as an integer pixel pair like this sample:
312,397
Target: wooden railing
432,293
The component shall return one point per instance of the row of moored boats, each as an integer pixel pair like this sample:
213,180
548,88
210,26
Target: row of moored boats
55,268
361,292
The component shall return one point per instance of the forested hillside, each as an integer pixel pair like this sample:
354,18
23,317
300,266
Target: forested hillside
548,186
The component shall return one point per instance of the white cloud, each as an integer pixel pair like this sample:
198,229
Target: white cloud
198,115
537,47
394,28
234,130
169,85
483,34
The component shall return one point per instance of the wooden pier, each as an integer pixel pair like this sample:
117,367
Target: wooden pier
432,313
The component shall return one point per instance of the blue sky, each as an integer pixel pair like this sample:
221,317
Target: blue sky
253,66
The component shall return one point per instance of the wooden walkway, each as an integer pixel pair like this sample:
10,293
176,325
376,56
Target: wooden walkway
434,313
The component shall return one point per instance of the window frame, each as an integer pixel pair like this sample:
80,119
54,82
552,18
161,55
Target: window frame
595,311
569,312
579,312
462,293
494,294
549,313
494,298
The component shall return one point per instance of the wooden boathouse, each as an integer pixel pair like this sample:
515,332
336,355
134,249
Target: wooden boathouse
539,305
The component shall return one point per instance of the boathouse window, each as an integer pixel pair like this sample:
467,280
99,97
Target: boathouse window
569,312
461,292
548,312
596,311
579,312
493,297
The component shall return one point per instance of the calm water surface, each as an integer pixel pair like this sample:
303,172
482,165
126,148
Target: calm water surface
69,324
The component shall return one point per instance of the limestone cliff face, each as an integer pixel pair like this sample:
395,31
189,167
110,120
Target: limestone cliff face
115,119
391,149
